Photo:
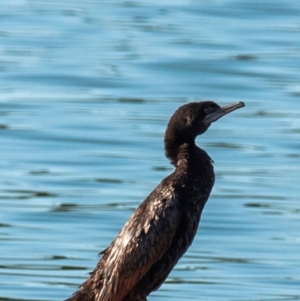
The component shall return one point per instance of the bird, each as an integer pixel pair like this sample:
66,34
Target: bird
162,228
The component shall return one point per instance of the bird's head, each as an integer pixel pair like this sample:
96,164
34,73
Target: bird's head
191,120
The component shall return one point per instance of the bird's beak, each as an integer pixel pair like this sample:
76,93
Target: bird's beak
220,112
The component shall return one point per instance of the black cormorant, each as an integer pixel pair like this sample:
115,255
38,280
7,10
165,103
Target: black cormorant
162,228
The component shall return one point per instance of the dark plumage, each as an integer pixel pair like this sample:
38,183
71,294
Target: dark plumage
162,228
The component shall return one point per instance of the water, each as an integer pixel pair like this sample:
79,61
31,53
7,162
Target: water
86,91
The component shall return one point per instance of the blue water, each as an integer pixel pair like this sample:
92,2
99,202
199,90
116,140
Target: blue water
86,91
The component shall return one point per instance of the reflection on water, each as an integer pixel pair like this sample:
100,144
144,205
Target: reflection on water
87,90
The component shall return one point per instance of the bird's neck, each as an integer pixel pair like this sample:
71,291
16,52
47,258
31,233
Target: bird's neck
175,149
186,155
191,157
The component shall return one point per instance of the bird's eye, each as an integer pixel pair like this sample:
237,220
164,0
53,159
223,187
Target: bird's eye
209,110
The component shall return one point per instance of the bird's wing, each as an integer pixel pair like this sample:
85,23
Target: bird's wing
143,240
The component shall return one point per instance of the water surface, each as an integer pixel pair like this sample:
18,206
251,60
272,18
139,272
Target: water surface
86,92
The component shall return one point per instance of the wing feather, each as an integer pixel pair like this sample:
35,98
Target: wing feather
141,243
